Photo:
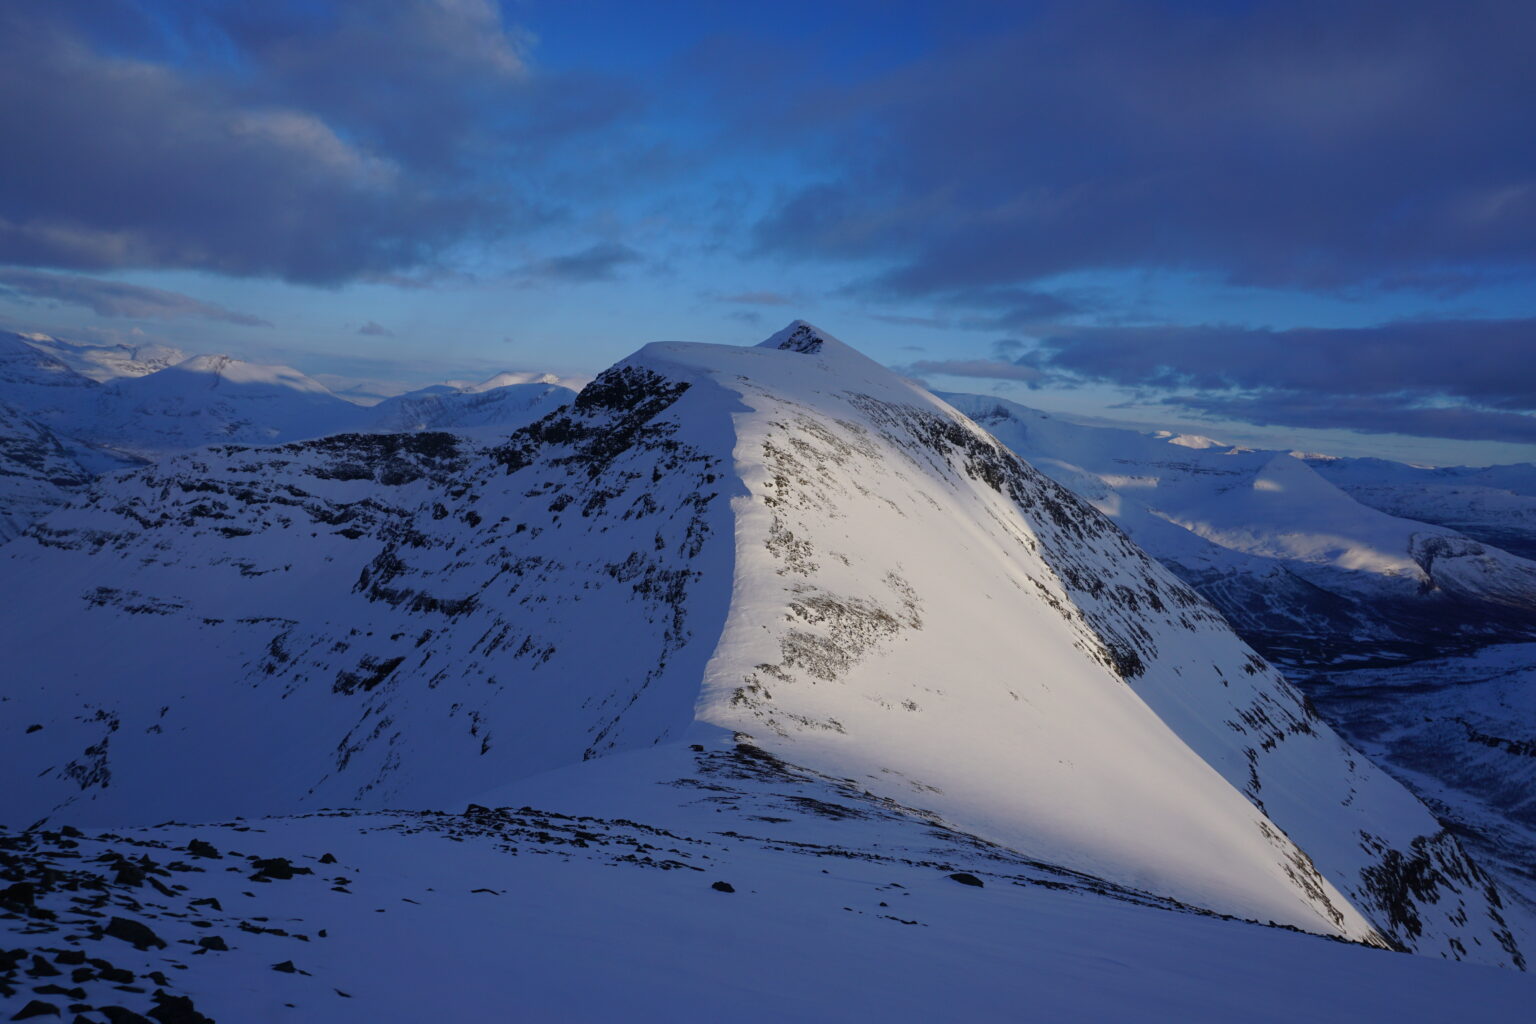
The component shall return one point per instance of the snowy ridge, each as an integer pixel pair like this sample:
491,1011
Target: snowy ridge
867,584
102,363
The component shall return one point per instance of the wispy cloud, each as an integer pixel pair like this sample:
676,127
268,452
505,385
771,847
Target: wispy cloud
600,262
759,299
991,369
115,298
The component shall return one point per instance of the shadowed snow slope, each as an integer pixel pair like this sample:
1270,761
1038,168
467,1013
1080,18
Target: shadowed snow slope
787,543
506,401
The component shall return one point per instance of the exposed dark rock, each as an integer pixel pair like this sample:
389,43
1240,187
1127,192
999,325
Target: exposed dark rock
133,932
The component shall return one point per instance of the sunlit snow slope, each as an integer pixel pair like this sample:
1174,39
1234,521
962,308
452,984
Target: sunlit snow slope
786,542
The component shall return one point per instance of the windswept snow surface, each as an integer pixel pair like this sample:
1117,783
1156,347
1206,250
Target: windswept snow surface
785,543
664,884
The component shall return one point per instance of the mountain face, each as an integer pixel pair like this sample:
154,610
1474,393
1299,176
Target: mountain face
785,544
102,363
39,472
214,399
503,402
1492,504
1302,569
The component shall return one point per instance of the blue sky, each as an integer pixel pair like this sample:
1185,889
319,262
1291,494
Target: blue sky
1302,224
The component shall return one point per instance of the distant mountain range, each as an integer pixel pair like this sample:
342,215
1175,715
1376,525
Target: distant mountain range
72,411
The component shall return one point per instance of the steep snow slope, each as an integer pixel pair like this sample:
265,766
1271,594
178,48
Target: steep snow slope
38,472
42,464
867,584
209,399
659,885
1461,731
1284,553
39,383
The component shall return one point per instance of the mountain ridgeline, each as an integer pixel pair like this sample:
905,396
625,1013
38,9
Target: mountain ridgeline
785,549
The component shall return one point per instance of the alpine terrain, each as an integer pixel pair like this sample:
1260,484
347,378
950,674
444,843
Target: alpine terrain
770,625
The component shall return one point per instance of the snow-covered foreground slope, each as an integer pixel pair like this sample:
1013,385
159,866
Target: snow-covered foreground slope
1294,562
660,885
786,543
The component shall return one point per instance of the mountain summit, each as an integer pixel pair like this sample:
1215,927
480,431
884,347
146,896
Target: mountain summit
784,547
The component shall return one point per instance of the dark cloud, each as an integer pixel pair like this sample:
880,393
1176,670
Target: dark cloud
1370,415
991,369
1313,145
759,299
312,143
1485,362
599,262
1460,379
375,330
114,298
910,321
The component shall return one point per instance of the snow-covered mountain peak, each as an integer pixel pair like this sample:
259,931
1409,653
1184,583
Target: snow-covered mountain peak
785,544
222,370
25,365
800,336
509,378
103,363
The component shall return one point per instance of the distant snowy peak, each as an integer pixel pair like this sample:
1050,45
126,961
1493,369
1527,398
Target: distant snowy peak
24,365
102,363
214,371
1196,441
508,378
799,336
